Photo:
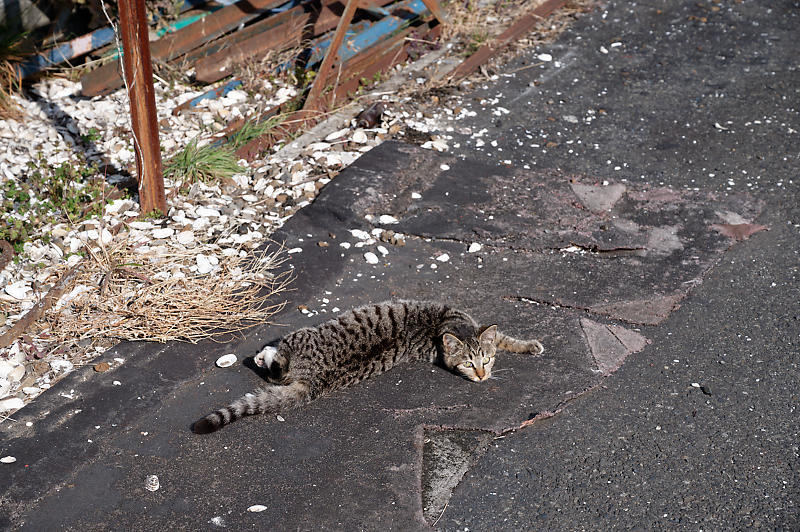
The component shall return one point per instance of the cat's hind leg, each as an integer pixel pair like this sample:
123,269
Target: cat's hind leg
273,361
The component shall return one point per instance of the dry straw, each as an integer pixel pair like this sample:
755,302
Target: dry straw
123,294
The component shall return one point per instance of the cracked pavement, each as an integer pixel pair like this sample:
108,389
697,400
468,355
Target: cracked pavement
667,394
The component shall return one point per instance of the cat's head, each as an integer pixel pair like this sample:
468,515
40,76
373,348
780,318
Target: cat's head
472,357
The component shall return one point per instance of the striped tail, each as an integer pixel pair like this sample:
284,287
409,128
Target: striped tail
519,346
271,399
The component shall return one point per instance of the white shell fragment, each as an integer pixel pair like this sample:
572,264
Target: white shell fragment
151,483
474,247
386,219
226,360
257,508
61,365
8,459
13,403
371,258
444,257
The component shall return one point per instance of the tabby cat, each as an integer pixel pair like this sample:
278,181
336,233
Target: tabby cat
363,342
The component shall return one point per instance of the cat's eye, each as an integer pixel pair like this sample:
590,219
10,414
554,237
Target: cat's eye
468,364
486,360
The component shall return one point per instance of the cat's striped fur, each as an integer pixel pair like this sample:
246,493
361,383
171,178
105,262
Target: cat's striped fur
363,342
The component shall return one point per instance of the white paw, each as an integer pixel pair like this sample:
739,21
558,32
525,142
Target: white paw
265,357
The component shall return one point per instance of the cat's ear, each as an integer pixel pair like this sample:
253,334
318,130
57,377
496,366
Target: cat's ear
451,343
489,335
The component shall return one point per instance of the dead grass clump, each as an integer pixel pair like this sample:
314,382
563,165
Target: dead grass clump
153,296
12,52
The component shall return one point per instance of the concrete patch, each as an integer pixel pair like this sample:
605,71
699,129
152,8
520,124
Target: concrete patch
598,198
447,456
610,345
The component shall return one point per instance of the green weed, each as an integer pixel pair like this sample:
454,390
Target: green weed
46,195
251,130
204,163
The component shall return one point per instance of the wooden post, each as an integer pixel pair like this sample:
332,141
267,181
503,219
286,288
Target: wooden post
138,72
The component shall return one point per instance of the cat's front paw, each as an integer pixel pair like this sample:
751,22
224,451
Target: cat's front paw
537,347
265,357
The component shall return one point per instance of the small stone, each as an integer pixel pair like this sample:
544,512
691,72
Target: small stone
323,244
257,508
41,367
544,57
706,390
371,258
31,390
474,247
444,257
695,385
102,367
279,417
8,460
360,137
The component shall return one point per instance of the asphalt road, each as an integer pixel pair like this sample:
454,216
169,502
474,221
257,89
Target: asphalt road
604,186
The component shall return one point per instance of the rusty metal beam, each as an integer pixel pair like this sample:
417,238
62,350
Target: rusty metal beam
275,33
379,57
522,26
331,58
139,80
293,28
107,77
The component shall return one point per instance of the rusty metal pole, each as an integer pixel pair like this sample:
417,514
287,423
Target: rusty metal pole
138,72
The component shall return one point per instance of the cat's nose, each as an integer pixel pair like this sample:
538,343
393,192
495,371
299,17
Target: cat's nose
480,372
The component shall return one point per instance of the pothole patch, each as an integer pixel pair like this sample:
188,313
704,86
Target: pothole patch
446,457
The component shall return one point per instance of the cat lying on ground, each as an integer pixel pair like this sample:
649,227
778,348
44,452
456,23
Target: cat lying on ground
363,342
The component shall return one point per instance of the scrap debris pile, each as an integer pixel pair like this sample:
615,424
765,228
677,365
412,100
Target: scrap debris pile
78,276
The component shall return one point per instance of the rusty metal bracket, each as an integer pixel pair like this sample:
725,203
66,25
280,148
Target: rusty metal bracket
313,102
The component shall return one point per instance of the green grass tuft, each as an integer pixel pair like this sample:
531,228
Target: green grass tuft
251,130
206,163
